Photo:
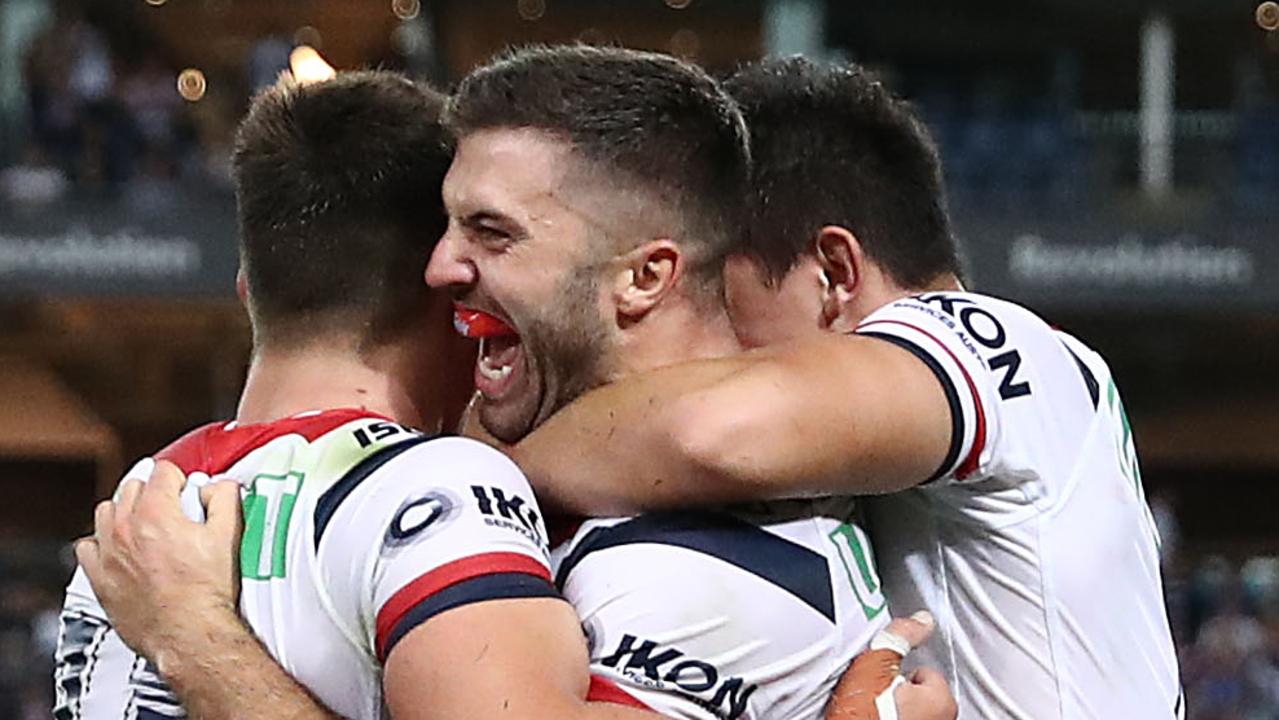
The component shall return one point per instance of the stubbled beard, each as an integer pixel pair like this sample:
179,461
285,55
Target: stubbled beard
566,345
571,345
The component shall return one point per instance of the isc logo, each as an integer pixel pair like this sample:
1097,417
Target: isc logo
497,504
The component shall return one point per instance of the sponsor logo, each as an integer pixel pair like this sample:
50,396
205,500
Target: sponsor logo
420,517
1132,261
650,665
509,511
80,252
986,329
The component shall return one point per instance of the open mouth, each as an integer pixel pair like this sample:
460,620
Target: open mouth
501,354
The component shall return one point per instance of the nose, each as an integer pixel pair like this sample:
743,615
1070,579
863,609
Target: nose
449,266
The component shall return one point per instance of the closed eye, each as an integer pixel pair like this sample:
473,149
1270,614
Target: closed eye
488,231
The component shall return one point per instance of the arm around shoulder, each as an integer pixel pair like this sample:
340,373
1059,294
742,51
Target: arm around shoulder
836,414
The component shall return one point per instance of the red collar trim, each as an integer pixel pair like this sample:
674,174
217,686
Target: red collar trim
215,447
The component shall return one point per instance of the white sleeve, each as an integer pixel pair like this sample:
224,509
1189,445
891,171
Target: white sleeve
445,523
95,674
943,330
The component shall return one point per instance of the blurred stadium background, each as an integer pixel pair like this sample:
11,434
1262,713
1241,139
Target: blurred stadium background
1112,163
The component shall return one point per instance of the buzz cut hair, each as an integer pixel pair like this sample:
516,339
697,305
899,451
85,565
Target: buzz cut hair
831,145
338,204
647,119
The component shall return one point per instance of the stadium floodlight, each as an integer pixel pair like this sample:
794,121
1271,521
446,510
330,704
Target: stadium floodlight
308,66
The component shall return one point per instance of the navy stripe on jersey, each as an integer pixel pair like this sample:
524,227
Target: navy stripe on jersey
1094,390
82,638
952,399
149,695
328,503
494,586
792,567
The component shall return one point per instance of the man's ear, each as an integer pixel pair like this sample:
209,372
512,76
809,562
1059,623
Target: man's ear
645,275
242,286
841,259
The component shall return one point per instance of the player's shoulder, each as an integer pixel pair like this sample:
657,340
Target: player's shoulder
191,450
445,465
966,307
980,323
450,456
769,545
215,447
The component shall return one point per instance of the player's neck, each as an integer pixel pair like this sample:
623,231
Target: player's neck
283,383
888,292
685,331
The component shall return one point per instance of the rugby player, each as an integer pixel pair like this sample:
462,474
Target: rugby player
1016,511
773,609
378,563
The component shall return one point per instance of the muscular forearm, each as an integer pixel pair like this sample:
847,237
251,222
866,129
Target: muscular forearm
222,672
834,415
625,446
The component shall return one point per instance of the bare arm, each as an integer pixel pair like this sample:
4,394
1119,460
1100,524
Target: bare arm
840,414
169,586
522,658
233,677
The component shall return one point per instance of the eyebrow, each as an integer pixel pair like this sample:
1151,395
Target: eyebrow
479,216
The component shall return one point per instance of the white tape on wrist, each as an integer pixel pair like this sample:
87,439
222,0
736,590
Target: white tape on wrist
886,702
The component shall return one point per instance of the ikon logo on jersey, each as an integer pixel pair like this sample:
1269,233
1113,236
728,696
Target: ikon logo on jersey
651,665
420,517
987,330
508,510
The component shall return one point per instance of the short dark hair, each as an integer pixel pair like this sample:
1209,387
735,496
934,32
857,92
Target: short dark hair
831,145
647,118
338,191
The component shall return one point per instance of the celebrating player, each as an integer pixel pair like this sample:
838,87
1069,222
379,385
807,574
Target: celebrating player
590,201
721,634
1018,516
374,558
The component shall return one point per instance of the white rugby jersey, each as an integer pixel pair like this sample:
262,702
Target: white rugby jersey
1032,544
753,613
357,530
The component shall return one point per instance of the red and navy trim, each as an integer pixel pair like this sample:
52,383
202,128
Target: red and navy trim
970,462
490,576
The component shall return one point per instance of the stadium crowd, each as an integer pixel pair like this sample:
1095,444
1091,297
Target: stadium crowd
102,117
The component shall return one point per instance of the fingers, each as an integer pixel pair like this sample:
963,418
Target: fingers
872,673
166,480
222,506
104,523
87,554
926,676
926,694
863,691
904,634
128,495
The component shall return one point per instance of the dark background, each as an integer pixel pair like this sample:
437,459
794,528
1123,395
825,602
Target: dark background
119,328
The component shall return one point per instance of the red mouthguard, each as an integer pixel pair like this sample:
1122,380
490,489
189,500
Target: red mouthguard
478,324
